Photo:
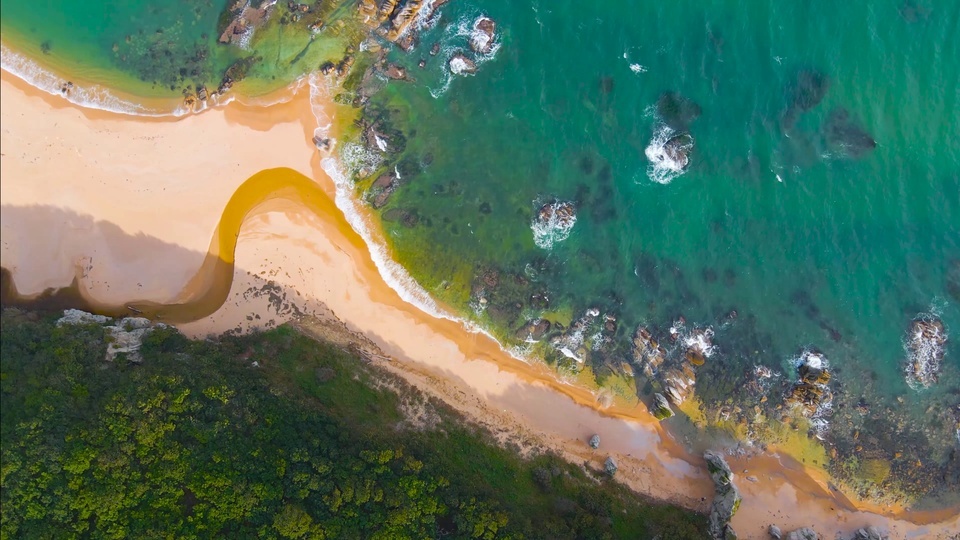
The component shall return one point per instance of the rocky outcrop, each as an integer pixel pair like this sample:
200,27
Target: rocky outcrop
727,499
395,72
810,393
483,35
610,466
805,533
647,352
661,407
533,330
805,92
553,223
460,64
870,533
126,336
594,442
924,346
775,532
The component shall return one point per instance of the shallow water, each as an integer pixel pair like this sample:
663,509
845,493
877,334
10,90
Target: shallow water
770,218
160,49
821,202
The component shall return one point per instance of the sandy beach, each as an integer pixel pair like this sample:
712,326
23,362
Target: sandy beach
129,205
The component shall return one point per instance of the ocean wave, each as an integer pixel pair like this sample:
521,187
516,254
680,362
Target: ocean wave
395,275
90,97
924,347
456,39
668,154
553,223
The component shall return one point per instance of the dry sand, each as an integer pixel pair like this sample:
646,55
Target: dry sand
129,204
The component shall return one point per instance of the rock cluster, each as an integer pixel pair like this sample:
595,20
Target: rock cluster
811,392
594,442
401,19
483,35
924,347
461,64
727,499
125,337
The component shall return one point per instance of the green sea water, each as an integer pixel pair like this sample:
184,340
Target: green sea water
785,215
158,49
813,243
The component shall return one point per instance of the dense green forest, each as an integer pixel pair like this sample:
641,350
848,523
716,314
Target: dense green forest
271,435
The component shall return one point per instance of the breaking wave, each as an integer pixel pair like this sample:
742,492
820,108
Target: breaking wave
90,97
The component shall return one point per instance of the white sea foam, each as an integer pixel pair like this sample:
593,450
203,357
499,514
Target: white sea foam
456,39
91,97
663,167
551,227
924,347
396,277
637,68
820,419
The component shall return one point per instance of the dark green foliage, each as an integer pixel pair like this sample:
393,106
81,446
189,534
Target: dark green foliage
197,442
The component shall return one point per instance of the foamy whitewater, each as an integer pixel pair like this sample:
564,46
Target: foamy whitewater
663,168
90,97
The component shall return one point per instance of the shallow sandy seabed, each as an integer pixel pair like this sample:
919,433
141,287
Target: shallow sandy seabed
129,205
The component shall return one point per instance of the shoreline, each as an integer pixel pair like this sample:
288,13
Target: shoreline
270,225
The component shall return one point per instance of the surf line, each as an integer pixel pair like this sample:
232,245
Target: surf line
208,289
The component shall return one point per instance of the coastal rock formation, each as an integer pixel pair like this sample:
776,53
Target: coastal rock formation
594,442
661,407
395,72
699,345
404,18
553,223
125,337
870,533
483,35
382,189
647,352
804,533
245,19
727,499
533,330
610,466
668,153
460,64
845,135
810,393
571,343
775,532
924,346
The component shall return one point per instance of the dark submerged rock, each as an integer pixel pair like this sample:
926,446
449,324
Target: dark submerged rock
844,134
677,111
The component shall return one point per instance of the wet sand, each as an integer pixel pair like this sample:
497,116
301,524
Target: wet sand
140,180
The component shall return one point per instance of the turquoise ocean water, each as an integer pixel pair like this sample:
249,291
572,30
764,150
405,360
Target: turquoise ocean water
787,214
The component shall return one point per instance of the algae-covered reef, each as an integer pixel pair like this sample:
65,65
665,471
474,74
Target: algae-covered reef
531,239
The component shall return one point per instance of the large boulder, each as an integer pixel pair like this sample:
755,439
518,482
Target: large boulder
661,407
870,533
610,466
594,442
483,35
805,533
727,499
775,532
460,64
